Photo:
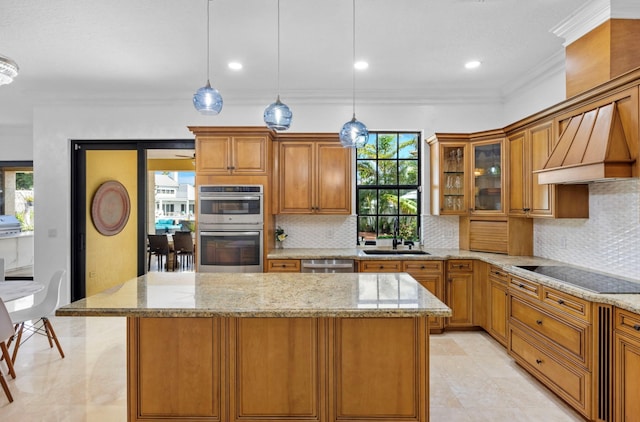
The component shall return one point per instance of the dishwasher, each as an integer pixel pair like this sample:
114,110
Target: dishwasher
327,266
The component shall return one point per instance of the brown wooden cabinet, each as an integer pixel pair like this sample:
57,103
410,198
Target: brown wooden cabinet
283,266
626,373
551,336
528,151
313,175
233,151
459,292
487,176
449,190
430,275
380,266
498,304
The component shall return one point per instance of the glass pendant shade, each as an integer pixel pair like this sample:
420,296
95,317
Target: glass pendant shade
278,115
8,70
354,134
207,100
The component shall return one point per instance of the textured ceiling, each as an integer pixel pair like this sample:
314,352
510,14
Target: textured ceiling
155,50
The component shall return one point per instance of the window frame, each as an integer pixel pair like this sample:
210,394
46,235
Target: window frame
374,137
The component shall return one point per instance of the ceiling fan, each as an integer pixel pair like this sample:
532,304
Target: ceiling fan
186,157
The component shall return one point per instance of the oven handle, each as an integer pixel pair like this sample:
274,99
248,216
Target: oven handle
231,197
235,233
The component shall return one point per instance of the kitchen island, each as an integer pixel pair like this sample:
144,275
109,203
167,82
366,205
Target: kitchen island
268,346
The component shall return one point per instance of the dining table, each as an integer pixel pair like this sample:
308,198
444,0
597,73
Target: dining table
17,289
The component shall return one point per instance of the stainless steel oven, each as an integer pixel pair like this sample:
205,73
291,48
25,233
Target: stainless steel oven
231,204
230,249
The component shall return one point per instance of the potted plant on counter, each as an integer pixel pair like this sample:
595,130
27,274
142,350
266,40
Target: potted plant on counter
280,237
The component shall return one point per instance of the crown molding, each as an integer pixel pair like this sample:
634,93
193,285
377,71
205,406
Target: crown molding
583,20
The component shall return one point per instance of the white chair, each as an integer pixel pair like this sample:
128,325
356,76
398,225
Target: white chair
6,333
39,314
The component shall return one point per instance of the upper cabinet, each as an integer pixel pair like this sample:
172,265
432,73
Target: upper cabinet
487,183
314,175
529,150
449,191
232,151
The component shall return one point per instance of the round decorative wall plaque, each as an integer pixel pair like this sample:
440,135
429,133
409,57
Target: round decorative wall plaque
110,208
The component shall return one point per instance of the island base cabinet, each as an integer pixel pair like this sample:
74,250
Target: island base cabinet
284,369
174,369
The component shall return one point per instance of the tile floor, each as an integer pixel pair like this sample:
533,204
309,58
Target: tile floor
472,379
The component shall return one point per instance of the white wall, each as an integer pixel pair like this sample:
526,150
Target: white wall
16,143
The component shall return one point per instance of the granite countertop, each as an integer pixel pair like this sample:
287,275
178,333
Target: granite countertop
263,295
630,302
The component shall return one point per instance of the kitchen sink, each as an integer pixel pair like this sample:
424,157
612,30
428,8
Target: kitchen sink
394,252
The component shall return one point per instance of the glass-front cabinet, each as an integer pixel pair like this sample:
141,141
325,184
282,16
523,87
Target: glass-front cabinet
487,183
449,184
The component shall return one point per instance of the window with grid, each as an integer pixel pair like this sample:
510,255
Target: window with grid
387,185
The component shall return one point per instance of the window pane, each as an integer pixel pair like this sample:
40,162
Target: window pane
367,227
408,146
366,172
388,202
369,150
385,226
408,201
387,146
408,172
387,172
409,228
367,201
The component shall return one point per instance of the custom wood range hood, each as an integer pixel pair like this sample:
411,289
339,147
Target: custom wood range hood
592,147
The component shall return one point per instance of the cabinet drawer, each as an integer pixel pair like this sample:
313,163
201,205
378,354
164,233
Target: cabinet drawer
568,381
520,285
498,274
283,266
568,338
420,267
567,303
460,265
381,266
627,322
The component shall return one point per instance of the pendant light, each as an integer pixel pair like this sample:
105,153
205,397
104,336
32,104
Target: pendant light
278,115
354,134
207,100
8,70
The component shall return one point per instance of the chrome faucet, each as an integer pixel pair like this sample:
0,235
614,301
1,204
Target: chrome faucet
396,232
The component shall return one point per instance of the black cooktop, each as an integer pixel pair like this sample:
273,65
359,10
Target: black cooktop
588,280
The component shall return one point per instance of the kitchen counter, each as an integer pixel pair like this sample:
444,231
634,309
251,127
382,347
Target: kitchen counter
509,263
267,346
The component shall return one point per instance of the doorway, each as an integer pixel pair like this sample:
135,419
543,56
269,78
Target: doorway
93,254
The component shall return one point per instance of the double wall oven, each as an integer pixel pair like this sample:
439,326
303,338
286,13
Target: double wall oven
230,228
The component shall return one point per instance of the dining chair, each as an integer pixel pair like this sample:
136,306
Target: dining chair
158,246
39,314
183,250
7,332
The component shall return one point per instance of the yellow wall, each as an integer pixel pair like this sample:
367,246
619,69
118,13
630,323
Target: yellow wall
171,165
111,260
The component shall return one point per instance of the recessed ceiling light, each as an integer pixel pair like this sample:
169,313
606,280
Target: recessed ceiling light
235,65
361,65
473,64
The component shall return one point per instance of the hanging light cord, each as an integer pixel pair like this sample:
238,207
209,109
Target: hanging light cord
208,40
354,59
278,48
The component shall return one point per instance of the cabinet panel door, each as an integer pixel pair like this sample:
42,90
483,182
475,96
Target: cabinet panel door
296,178
333,164
175,363
541,145
275,369
627,382
518,168
433,283
498,312
460,299
213,154
249,154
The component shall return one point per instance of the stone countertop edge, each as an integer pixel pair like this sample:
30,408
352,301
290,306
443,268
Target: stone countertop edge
629,302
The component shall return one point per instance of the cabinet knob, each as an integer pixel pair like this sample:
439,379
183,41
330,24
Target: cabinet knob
560,302
636,327
539,321
381,266
521,285
538,361
422,267
526,209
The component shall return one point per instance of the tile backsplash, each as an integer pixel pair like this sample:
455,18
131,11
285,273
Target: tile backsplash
609,240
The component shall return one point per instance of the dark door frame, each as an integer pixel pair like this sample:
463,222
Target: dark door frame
79,200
